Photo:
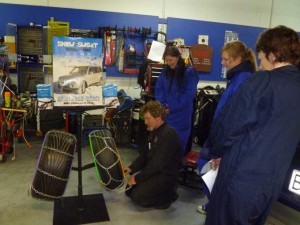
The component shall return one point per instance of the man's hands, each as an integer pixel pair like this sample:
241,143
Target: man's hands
127,170
131,180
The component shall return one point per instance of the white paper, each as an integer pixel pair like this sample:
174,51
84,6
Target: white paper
156,51
205,168
209,178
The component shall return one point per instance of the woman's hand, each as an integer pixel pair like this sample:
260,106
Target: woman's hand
214,163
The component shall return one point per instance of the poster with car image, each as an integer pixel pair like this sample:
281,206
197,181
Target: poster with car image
77,71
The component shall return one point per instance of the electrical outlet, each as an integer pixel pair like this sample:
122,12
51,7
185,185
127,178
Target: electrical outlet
203,39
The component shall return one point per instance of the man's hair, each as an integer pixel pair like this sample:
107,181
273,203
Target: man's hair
282,41
154,108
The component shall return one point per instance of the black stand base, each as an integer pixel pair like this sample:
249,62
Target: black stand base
70,211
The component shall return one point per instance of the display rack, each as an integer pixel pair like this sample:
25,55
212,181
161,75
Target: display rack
80,209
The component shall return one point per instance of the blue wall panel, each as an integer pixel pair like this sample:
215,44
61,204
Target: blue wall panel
22,15
78,18
91,19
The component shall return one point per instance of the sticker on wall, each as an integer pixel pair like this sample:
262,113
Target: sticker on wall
229,36
203,39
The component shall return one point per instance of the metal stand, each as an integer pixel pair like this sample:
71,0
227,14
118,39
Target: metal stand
80,209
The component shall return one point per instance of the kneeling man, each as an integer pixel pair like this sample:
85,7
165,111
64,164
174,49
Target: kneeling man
156,170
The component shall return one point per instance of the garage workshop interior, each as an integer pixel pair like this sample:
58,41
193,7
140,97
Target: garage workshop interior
74,78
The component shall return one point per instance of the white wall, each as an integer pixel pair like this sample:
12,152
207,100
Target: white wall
286,13
259,13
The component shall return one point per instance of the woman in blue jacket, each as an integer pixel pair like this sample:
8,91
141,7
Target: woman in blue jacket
176,88
240,63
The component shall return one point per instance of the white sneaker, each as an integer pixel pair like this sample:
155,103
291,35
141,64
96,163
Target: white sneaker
201,209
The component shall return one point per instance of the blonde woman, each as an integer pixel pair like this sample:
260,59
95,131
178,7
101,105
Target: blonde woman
240,63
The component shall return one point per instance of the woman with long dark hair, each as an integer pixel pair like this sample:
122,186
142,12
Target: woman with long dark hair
176,88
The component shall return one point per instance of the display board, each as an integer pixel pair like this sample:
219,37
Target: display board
77,71
190,29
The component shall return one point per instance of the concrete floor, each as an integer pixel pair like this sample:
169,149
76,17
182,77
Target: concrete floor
17,207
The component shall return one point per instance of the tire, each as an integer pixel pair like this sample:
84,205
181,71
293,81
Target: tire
54,166
107,160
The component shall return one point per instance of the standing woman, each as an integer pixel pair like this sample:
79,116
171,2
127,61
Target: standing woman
240,63
256,134
176,88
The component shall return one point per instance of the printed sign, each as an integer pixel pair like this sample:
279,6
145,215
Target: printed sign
77,71
229,36
294,185
201,57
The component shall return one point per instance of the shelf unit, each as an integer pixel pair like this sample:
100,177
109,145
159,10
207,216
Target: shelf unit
29,75
152,76
30,40
30,49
